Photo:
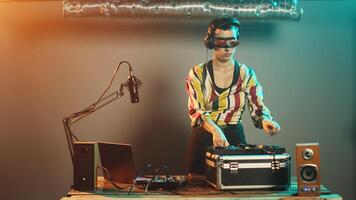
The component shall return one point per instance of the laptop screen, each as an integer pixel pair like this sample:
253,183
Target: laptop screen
118,159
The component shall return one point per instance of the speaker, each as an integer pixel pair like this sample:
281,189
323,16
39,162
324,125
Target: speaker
308,169
86,159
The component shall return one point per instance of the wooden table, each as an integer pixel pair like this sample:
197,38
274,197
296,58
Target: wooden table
194,190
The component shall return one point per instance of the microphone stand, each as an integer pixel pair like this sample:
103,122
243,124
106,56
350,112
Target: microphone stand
101,102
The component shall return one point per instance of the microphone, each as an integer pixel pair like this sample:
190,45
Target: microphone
132,85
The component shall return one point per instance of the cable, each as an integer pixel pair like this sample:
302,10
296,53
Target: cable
110,179
154,176
111,81
169,181
92,107
138,175
167,170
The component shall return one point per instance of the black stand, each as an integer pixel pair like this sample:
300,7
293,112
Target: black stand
101,102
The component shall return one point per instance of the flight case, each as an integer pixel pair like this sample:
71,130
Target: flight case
248,171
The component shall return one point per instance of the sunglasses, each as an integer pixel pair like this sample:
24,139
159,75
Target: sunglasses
226,43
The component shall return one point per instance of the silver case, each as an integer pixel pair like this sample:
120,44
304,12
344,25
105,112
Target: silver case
218,163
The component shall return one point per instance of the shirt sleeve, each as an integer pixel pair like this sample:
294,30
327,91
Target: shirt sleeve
196,106
254,95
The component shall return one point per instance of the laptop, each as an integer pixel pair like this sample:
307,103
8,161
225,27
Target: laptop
118,159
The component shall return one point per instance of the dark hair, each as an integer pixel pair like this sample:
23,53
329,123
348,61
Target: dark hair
227,27
224,23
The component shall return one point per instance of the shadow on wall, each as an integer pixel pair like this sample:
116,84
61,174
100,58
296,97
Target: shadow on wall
160,139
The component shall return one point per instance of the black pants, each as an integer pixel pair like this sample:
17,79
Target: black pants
201,139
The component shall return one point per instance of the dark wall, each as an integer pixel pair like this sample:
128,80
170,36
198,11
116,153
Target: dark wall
51,66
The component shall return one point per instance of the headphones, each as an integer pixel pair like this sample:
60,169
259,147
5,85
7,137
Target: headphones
215,24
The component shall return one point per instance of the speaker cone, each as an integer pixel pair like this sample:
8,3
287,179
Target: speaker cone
308,173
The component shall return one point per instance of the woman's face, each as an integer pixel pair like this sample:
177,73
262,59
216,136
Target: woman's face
225,44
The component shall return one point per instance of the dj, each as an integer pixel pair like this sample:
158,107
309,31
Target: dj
218,91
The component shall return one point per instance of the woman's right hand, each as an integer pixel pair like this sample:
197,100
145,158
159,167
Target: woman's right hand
219,139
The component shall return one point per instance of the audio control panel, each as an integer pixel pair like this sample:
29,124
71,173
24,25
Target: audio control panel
310,189
171,182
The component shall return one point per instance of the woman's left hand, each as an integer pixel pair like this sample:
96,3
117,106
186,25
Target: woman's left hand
270,127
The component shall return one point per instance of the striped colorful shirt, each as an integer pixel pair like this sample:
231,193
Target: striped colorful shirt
224,107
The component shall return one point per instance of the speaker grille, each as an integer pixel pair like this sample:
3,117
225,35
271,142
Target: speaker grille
309,173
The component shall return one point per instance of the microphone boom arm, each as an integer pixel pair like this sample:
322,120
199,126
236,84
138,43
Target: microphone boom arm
73,118
96,106
101,102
